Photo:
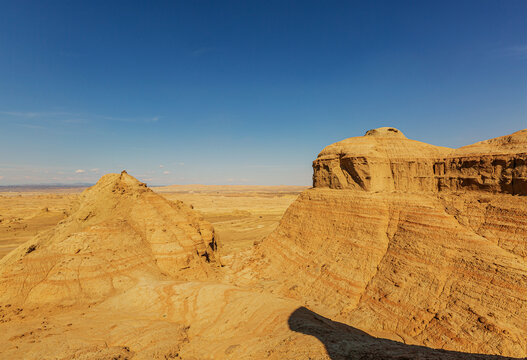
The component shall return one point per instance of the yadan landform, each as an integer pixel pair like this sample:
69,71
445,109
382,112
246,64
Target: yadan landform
400,250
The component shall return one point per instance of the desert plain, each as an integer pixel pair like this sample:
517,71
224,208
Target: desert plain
399,250
241,215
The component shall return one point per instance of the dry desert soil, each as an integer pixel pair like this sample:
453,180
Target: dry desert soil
241,215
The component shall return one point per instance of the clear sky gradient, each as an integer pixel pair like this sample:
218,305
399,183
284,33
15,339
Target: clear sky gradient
246,92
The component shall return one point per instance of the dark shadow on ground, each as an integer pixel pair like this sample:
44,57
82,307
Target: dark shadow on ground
345,342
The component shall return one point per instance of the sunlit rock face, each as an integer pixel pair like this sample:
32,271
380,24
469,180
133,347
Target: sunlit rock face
412,242
121,232
385,160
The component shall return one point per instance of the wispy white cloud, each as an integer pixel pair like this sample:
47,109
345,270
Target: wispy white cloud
73,117
202,50
166,172
70,54
95,170
75,121
39,174
515,51
20,114
161,166
124,119
37,114
32,126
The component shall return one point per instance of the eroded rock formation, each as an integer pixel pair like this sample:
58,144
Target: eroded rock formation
121,232
385,160
392,258
412,242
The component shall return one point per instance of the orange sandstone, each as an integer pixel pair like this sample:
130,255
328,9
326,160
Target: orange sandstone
412,242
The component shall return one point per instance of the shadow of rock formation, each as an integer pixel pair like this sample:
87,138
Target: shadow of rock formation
345,342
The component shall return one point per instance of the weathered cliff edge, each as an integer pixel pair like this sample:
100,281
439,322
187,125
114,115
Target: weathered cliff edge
385,160
409,241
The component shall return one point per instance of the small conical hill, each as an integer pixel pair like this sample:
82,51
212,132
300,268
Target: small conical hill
120,233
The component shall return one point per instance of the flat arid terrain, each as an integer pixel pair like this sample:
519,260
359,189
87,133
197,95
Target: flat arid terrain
400,250
241,215
23,214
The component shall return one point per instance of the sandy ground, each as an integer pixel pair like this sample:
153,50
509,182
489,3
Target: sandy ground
111,257
25,214
241,215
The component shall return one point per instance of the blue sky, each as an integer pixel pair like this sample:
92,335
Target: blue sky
246,92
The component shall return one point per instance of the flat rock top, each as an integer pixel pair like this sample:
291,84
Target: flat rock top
383,142
392,143
509,144
385,132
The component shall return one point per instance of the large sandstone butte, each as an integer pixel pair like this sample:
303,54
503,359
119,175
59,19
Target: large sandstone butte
385,160
412,242
121,233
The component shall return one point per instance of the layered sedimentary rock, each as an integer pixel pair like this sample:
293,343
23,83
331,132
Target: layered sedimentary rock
412,242
388,265
385,160
121,232
195,321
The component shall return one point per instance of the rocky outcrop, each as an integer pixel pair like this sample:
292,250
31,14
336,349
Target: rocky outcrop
410,242
385,160
120,232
